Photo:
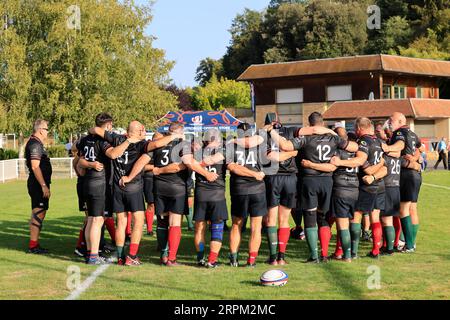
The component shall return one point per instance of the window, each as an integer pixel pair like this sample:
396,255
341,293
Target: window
432,92
387,91
399,92
339,93
418,92
288,109
294,95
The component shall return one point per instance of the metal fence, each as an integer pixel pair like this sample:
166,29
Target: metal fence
16,169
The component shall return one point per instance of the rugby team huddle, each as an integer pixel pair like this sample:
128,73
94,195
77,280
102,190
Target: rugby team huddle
320,175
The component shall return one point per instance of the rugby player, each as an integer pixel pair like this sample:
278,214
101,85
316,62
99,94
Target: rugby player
38,184
94,153
170,188
316,184
149,196
129,197
248,196
281,189
344,198
210,205
407,142
369,158
80,249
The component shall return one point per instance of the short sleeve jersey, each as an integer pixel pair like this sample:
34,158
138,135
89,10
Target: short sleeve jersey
212,191
250,159
123,165
345,177
411,140
171,184
285,167
318,149
35,150
93,148
371,146
393,166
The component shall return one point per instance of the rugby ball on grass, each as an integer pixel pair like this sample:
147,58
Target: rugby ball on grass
274,278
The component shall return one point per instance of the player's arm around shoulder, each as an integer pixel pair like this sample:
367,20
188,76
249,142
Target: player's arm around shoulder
245,172
323,167
160,141
137,168
194,165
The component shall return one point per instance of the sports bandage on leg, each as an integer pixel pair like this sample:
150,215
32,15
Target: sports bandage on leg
36,217
322,220
217,231
310,218
162,234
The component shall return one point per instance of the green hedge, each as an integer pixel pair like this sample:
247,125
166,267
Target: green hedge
58,151
6,154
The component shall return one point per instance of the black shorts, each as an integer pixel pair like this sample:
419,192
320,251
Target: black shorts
148,190
367,201
165,204
94,195
37,196
316,193
392,205
343,202
127,201
281,190
254,205
80,194
210,210
410,182
381,201
108,201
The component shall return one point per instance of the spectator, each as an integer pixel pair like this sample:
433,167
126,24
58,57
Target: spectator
442,150
423,154
68,148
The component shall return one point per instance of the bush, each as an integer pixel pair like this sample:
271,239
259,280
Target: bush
58,151
6,154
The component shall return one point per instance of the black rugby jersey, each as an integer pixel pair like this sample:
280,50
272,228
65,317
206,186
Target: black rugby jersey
288,166
345,177
123,165
171,184
250,159
318,149
212,191
93,148
35,150
370,145
411,140
393,166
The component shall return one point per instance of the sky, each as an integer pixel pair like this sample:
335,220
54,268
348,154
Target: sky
190,31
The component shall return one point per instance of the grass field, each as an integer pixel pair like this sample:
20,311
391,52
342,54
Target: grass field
423,275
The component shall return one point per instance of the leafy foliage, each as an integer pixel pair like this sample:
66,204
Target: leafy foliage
51,70
220,94
290,30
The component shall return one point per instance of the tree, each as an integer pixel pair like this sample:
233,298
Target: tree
426,47
334,29
247,44
206,69
284,30
183,95
395,33
67,73
223,93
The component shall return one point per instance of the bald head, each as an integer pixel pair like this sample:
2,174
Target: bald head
397,120
135,129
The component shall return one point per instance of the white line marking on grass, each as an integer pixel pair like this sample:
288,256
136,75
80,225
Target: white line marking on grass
436,186
87,283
